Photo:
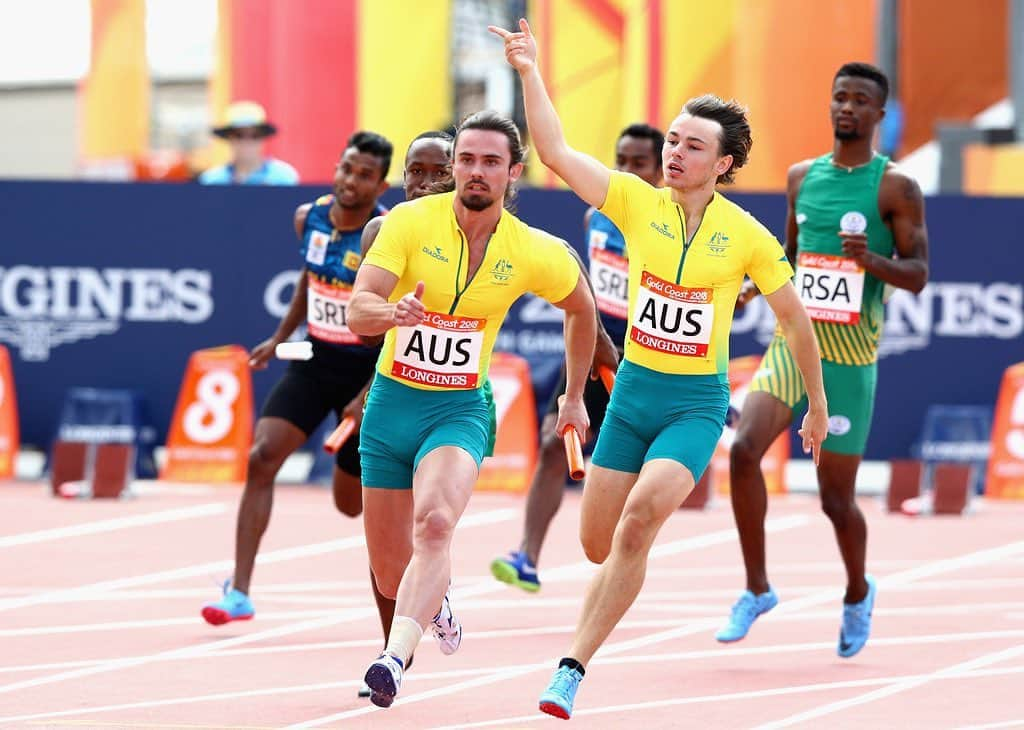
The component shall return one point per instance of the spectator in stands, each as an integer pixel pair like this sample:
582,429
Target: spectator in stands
246,129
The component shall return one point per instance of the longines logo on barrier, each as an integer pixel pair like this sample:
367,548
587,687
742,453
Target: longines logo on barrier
943,309
42,307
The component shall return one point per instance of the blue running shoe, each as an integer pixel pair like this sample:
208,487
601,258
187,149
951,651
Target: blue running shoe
744,613
516,570
557,699
856,628
234,606
384,678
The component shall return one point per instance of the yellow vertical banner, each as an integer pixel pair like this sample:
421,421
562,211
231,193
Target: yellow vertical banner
581,58
220,88
404,80
114,97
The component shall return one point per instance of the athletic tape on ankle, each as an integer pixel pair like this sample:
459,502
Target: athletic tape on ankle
405,635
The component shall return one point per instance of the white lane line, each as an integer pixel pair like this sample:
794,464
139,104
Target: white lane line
955,670
686,610
482,588
222,566
665,550
994,725
118,523
417,677
727,697
473,520
936,567
149,624
566,629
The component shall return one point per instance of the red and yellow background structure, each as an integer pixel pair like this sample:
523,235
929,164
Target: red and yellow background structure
324,68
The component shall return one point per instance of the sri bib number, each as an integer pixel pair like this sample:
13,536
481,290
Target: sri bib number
610,276
672,319
327,313
441,351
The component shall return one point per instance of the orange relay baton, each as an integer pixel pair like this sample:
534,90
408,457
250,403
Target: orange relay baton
340,435
607,376
574,453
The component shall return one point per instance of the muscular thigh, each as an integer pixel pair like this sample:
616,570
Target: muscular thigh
387,520
604,496
444,481
850,390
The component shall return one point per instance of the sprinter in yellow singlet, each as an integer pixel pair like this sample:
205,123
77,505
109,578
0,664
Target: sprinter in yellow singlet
689,249
439,280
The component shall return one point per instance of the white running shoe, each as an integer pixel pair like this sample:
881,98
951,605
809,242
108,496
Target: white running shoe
384,677
447,629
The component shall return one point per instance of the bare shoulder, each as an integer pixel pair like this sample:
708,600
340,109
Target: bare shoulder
372,228
301,213
796,174
369,235
899,186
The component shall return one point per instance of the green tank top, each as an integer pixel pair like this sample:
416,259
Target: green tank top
833,198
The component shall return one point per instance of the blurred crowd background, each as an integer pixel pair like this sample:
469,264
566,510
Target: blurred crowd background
131,89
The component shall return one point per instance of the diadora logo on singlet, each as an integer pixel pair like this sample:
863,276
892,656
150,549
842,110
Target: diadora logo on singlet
502,271
435,253
663,229
717,244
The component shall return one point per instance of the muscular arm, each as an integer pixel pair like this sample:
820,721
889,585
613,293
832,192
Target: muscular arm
585,175
903,205
370,231
296,313
580,330
369,312
794,179
605,353
580,334
796,326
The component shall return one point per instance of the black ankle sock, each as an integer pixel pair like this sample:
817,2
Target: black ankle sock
572,664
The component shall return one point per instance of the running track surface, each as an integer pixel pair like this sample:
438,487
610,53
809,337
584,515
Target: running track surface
100,626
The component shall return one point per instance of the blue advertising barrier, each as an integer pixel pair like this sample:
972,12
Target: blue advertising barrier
114,285
110,416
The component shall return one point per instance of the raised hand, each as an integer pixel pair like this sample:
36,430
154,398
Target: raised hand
520,48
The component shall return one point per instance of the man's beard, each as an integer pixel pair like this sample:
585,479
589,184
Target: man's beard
476,202
846,135
354,204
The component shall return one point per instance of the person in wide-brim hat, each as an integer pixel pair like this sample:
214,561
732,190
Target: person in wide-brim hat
245,128
245,115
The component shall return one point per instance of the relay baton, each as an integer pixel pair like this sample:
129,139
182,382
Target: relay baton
340,435
607,376
573,453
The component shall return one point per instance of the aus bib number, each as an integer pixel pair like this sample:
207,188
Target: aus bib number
443,351
327,313
610,276
672,319
831,287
